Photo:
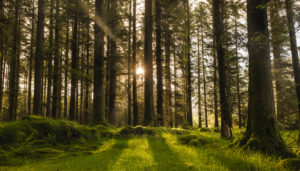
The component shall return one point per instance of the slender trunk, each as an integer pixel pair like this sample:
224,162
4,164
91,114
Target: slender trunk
99,93
134,86
293,43
148,119
199,82
74,77
129,119
39,55
215,90
204,77
66,72
238,75
87,80
56,105
159,88
168,78
2,54
218,35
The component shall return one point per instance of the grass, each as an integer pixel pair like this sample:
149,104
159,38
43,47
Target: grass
163,150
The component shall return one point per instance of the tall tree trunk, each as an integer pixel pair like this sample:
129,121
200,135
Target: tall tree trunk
39,55
66,72
134,86
218,35
261,132
159,88
277,41
31,59
168,78
74,63
99,93
56,105
189,112
13,83
129,119
87,79
237,74
293,42
49,84
148,119
113,64
2,68
215,90
199,82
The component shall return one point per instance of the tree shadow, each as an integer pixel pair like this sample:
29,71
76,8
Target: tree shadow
165,158
109,157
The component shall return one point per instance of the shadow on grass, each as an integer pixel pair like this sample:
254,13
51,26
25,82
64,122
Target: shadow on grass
165,158
109,157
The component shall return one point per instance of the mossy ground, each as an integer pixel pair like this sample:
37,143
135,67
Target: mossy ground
139,148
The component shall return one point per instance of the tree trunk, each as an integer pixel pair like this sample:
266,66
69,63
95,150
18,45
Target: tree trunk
31,59
159,88
113,64
237,74
99,93
189,112
199,81
168,78
261,132
134,86
39,55
129,119
56,104
218,35
215,90
293,42
87,79
74,63
66,72
2,53
148,119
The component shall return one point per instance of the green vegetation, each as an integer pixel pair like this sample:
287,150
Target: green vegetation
65,145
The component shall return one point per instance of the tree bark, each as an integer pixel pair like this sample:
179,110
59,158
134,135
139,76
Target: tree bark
295,57
129,119
39,55
134,85
261,132
148,119
99,93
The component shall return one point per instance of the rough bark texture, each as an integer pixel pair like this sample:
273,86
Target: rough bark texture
218,35
74,64
99,93
148,119
113,66
39,55
261,132
295,57
159,85
134,86
56,103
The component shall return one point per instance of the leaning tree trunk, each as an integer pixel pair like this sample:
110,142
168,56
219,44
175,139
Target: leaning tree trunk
261,132
293,42
148,119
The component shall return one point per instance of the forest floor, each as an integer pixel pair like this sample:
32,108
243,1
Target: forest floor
166,150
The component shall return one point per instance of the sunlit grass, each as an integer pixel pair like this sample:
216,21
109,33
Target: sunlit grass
161,152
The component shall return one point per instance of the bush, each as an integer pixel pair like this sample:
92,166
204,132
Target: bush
192,140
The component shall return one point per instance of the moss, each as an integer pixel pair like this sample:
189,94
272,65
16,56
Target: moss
290,164
136,131
205,130
217,130
187,138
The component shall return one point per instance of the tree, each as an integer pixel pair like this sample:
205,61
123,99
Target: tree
295,58
56,104
74,77
39,55
99,93
218,36
261,131
159,91
134,86
129,60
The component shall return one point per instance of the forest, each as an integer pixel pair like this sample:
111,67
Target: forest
149,85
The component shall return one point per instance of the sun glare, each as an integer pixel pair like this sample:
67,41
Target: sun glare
140,71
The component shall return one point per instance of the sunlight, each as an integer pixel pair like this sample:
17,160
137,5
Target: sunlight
140,71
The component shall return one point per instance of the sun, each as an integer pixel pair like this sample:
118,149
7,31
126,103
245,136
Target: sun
140,71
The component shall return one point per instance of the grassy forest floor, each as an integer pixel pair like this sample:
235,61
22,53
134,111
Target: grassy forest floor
45,144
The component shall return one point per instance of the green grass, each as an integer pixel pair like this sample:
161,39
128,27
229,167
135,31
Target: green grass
163,150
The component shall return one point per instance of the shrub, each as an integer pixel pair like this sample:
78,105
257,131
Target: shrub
136,131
